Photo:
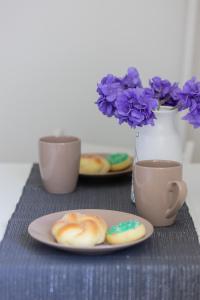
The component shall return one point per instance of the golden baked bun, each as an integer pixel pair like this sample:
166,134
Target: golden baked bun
93,164
79,230
119,161
125,232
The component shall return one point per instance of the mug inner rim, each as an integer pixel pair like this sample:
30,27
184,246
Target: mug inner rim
158,164
64,139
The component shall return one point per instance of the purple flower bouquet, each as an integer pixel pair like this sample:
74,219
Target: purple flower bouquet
128,101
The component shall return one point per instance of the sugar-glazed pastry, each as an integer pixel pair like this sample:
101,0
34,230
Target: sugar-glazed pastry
119,161
79,230
93,164
125,232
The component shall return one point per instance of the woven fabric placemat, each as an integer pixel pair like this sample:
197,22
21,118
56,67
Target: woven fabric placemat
167,266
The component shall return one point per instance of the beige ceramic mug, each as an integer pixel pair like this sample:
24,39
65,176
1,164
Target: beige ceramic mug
59,160
159,190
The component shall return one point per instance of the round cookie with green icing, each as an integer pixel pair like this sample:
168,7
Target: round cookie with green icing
119,161
125,232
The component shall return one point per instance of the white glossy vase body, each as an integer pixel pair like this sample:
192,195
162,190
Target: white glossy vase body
161,141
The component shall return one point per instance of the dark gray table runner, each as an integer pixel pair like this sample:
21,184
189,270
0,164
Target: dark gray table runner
167,266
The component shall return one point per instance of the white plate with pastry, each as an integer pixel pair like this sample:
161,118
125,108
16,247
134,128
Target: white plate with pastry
90,231
105,164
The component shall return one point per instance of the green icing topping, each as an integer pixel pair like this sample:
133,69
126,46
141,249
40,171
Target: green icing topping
123,226
117,158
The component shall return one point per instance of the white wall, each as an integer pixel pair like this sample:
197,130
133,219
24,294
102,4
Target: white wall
52,53
194,134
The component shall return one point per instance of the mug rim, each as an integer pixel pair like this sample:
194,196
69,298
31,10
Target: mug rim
47,139
174,164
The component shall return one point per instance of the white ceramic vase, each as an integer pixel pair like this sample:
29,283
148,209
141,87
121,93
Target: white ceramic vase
161,141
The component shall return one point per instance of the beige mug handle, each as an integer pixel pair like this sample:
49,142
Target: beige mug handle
182,192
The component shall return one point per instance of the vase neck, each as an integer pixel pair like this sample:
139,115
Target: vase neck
166,116
165,121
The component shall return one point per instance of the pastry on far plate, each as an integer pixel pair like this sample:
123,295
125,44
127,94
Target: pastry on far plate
79,230
93,164
119,161
125,232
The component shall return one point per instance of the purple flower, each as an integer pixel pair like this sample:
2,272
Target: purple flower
131,79
160,87
190,99
193,117
135,106
108,90
124,98
105,107
190,94
111,86
168,94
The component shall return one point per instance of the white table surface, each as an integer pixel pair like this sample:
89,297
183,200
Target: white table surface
13,178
